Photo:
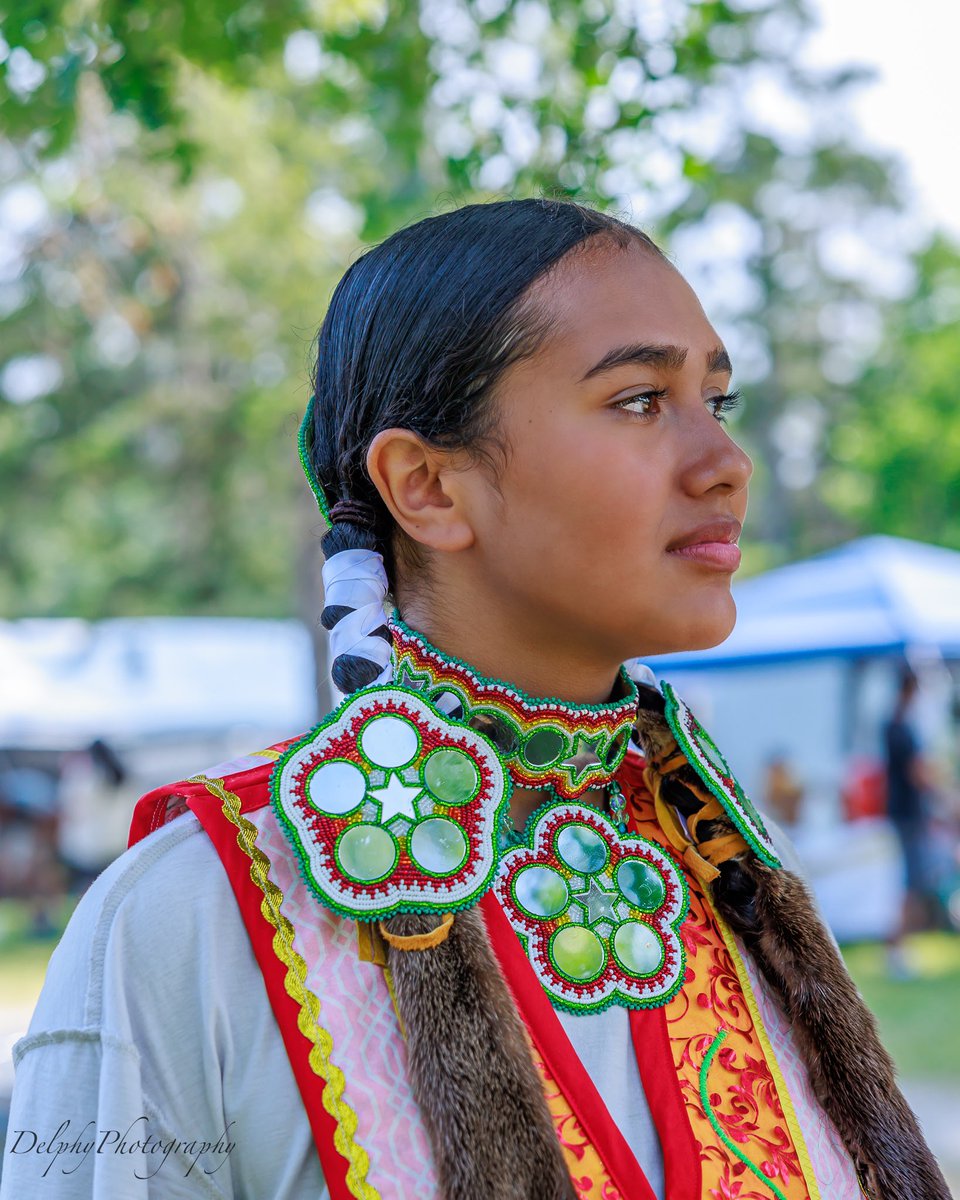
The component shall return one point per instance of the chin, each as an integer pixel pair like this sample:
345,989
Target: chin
701,630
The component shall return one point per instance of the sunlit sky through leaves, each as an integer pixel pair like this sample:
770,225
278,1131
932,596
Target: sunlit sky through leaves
913,105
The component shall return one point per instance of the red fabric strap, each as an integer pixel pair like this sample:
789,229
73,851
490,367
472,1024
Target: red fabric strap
554,1046
223,834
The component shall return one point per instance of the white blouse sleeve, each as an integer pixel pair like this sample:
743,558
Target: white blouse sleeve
153,1068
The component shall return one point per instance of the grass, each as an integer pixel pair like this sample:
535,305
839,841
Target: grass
917,1017
23,959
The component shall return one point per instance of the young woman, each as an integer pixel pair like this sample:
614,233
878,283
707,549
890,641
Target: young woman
504,924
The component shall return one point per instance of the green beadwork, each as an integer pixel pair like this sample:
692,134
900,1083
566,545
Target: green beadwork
366,852
594,911
372,837
577,953
641,883
561,751
541,891
638,948
304,440
582,848
438,846
699,746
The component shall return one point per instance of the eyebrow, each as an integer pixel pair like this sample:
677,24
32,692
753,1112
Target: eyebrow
670,358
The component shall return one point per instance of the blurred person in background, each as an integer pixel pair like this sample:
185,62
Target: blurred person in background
30,868
782,790
503,926
910,784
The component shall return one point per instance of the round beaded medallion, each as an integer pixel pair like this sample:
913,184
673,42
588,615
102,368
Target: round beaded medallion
704,756
390,807
598,914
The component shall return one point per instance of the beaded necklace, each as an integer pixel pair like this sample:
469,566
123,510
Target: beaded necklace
399,802
544,743
598,912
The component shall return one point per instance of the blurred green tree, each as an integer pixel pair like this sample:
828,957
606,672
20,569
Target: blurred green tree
894,452
185,182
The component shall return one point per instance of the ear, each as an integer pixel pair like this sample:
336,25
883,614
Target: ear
422,487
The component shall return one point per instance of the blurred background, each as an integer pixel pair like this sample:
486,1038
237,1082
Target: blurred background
181,186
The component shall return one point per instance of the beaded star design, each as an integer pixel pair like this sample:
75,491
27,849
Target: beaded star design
390,807
598,914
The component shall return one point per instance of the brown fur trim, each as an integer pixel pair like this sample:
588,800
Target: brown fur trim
850,1071
471,1070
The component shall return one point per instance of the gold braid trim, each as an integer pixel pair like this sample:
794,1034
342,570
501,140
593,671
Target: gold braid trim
308,1019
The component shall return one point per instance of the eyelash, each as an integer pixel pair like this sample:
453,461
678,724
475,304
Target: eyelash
727,403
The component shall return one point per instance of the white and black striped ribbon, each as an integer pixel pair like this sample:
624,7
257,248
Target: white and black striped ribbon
356,580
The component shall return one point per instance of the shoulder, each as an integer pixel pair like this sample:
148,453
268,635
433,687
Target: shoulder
145,932
247,776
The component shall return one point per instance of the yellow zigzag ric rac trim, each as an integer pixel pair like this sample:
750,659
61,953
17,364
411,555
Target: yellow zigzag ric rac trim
274,754
308,1020
789,1113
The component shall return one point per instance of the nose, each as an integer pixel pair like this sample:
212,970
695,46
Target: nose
714,459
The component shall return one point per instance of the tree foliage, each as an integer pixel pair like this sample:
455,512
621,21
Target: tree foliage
894,451
185,182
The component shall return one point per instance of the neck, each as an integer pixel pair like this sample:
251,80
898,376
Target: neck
501,645
548,744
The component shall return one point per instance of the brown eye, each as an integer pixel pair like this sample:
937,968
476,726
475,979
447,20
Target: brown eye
644,397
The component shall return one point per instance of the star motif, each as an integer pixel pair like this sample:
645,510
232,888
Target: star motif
415,681
584,758
597,901
396,800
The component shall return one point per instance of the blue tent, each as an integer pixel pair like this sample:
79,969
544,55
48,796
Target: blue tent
876,595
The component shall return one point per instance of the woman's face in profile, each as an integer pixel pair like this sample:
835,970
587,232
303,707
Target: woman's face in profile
615,453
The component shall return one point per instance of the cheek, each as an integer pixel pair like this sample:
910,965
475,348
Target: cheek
584,496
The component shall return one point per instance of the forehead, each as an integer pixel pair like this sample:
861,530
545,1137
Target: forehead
601,296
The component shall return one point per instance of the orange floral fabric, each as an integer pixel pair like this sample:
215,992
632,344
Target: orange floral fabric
741,1087
589,1176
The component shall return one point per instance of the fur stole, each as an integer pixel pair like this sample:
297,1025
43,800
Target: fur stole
471,1069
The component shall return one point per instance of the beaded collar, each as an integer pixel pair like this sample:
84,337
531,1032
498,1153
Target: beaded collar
544,743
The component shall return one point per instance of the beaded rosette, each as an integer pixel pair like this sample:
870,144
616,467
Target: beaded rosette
704,756
390,807
598,914
545,744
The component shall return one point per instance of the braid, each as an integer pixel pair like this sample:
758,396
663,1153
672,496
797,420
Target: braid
355,586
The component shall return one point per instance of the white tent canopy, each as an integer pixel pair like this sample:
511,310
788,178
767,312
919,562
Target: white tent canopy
876,595
64,682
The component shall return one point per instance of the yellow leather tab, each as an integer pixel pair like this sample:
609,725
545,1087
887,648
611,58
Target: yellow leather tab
418,941
370,947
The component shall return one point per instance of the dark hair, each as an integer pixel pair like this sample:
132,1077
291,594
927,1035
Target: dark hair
418,332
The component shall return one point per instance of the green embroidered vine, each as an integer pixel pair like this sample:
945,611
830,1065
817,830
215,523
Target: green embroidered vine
717,1127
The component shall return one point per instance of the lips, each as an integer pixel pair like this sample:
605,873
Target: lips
711,545
722,529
